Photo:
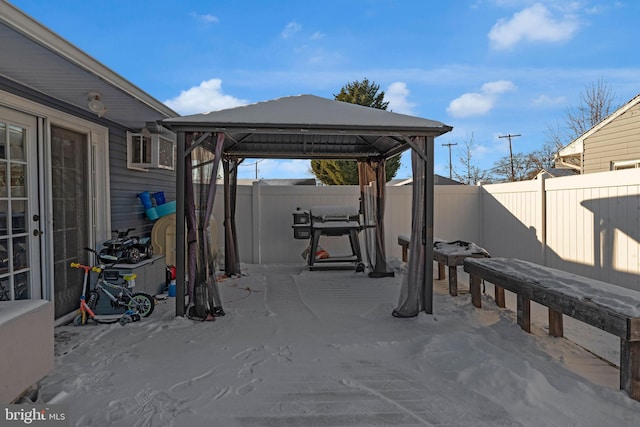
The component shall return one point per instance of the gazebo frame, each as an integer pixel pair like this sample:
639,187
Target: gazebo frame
310,127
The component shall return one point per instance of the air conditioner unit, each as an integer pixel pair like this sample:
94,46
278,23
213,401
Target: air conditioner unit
150,151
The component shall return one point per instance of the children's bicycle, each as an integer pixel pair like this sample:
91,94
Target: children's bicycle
117,288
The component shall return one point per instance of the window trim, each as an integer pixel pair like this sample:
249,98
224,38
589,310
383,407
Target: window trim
155,141
625,164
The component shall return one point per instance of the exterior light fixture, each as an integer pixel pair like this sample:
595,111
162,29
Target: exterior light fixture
95,104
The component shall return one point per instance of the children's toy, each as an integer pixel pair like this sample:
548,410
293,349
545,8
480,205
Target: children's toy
119,291
126,248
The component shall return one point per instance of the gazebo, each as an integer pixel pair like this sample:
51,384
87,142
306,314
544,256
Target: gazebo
297,127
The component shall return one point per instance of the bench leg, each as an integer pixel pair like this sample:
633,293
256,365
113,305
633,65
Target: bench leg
405,250
474,287
440,271
453,280
524,313
555,323
630,368
500,302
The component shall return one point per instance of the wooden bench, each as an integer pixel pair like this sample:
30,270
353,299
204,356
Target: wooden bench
453,254
611,308
404,241
449,254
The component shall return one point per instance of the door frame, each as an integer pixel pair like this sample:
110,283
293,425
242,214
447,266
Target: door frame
28,122
99,193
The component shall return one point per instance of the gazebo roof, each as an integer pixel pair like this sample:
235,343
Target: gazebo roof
308,126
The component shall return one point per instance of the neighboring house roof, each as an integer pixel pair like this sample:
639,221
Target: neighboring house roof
556,173
38,58
577,145
308,126
437,180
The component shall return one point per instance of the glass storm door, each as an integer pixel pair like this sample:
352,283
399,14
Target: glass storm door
69,177
19,207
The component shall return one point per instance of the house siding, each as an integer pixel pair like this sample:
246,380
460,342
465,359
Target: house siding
617,141
126,209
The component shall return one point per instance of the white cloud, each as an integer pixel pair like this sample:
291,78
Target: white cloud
546,100
470,104
479,103
317,35
533,24
204,98
397,94
207,18
290,29
497,87
272,168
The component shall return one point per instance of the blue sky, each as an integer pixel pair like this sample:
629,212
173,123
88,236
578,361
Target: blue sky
485,67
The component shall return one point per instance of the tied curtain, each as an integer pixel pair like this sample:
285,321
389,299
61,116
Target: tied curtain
231,255
200,183
373,170
415,291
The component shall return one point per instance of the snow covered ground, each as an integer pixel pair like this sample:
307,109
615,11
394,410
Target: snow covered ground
320,348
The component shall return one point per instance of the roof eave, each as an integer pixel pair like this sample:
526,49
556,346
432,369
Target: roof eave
27,26
177,126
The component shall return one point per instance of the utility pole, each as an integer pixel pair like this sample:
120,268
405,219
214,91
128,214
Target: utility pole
513,174
450,168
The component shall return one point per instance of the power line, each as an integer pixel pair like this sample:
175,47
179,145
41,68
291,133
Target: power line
513,174
254,164
450,167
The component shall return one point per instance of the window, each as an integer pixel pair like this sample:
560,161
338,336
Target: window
626,164
150,151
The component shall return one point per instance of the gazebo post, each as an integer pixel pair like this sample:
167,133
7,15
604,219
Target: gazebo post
428,222
180,225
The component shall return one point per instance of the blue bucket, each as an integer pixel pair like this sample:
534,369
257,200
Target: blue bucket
172,288
159,198
145,198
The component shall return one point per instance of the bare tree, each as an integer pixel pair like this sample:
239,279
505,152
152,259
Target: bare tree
470,174
523,169
542,158
597,101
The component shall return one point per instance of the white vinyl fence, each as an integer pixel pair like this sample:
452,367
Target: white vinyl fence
588,224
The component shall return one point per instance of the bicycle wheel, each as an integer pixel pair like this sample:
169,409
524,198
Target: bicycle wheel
143,303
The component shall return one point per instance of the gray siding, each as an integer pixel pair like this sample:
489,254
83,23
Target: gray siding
617,141
126,209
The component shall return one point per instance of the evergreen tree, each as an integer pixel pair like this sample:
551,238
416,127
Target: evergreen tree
345,172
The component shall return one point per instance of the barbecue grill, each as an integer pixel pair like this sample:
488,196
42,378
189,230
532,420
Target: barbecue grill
329,221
